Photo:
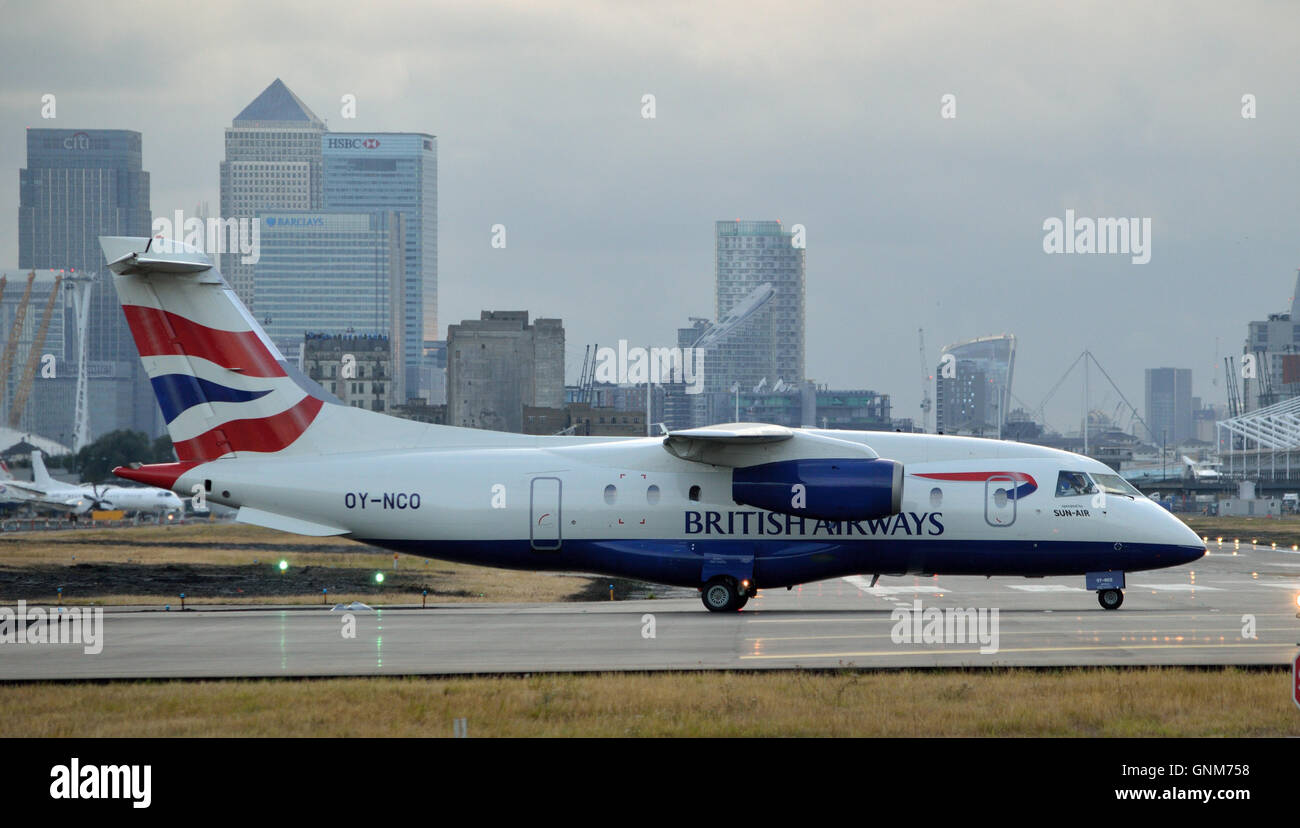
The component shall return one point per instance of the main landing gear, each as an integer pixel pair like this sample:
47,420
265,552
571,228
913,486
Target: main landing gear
723,594
1110,599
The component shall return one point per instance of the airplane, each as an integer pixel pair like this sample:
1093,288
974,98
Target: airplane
45,491
729,509
1201,471
9,498
148,499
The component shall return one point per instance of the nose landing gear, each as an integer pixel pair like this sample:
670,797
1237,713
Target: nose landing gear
1109,587
1110,599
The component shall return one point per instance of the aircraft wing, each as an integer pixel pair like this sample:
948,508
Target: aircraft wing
26,488
748,444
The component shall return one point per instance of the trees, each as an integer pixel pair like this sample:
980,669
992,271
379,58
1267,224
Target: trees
120,448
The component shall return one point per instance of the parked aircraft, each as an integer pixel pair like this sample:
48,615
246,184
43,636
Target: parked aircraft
46,492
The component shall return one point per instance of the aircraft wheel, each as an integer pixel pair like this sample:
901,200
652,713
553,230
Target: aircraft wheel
1110,599
720,595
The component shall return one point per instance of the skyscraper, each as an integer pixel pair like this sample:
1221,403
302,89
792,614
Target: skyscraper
771,348
1169,405
79,185
273,162
398,172
332,273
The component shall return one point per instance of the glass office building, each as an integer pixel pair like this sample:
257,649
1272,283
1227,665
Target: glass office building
397,172
771,344
273,162
1169,406
332,273
79,185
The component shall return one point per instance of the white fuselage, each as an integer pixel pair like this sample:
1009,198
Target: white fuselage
617,497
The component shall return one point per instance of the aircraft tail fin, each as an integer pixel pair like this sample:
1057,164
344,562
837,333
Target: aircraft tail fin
223,386
40,476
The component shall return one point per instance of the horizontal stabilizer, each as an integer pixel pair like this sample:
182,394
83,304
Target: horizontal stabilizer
257,517
133,256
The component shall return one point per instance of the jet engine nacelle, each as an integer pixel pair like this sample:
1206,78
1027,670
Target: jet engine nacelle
826,489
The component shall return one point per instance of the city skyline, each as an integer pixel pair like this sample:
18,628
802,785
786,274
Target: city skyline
915,221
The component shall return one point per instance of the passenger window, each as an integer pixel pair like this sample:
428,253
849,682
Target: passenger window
652,494
1073,484
611,494
695,493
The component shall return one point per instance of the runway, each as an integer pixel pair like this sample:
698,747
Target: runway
1226,609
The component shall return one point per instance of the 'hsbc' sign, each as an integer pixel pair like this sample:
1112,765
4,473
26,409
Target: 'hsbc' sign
352,143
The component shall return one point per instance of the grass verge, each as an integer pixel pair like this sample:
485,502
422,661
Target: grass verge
1012,702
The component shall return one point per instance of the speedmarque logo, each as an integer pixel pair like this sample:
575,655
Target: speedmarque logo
77,781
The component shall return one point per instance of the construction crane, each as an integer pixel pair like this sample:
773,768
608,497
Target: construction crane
1264,385
926,404
1234,399
11,345
582,377
588,377
33,357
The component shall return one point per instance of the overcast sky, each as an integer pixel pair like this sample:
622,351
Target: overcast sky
827,115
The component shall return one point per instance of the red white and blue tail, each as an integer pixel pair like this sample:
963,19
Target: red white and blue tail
224,388
222,385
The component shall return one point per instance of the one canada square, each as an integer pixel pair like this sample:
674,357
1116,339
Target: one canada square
281,159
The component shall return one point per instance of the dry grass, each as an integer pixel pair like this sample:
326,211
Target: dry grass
1074,702
1285,531
127,565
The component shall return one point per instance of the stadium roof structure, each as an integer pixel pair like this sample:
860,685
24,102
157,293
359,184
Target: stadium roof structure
1275,428
14,442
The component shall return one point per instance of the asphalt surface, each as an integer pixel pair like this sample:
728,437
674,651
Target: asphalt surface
1225,609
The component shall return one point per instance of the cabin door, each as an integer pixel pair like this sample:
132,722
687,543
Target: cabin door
544,512
1000,500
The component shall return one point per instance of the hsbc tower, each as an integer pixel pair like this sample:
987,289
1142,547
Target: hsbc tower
397,172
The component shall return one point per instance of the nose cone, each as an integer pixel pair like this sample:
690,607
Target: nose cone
1189,545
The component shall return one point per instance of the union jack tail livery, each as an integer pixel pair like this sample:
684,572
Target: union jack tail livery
222,385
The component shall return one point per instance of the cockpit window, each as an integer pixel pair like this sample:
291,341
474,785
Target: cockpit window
1114,484
1071,484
